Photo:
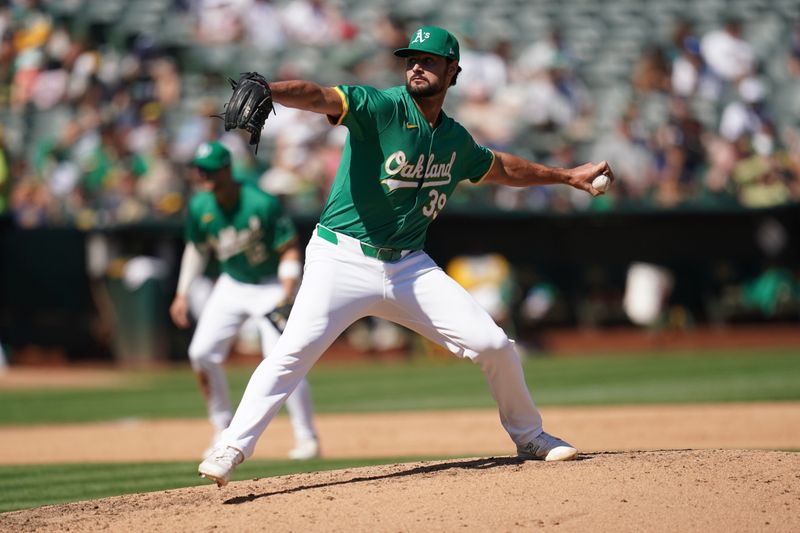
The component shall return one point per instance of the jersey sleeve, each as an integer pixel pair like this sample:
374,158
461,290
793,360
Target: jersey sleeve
366,110
478,160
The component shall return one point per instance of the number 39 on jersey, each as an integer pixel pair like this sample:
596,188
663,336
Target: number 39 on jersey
437,203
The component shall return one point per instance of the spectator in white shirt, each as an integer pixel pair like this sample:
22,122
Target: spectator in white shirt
728,55
690,74
745,116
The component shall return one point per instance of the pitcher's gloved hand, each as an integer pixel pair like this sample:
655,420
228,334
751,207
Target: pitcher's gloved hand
249,105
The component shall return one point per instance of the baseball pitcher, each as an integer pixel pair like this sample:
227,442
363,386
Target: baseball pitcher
401,163
260,267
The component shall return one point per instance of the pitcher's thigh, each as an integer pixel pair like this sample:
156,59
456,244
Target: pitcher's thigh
434,305
332,296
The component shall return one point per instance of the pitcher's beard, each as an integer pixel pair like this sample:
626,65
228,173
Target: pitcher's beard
423,91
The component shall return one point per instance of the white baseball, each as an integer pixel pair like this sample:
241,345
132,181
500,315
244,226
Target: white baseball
601,183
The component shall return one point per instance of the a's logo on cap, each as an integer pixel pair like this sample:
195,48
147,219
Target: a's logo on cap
420,37
204,150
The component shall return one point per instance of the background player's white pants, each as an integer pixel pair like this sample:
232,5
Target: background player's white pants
341,285
231,303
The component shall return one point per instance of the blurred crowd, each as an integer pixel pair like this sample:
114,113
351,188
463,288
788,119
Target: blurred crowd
97,128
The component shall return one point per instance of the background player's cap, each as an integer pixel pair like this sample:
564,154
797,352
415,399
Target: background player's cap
431,40
212,156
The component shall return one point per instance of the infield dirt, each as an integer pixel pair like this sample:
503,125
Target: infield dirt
681,490
668,473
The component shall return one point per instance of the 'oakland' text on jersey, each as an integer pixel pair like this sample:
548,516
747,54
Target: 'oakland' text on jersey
397,172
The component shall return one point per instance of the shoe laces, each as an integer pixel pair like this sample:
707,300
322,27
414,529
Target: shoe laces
226,454
543,442
552,440
546,439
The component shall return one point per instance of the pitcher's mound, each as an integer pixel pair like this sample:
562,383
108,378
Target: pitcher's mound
670,490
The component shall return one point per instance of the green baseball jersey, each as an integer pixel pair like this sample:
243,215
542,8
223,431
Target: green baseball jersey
246,239
396,172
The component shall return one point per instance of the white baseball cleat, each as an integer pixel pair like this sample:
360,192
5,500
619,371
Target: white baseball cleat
219,464
547,447
304,450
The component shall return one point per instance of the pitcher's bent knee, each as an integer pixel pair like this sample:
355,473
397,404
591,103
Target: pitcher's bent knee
495,344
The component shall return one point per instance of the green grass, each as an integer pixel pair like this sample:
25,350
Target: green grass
679,377
746,376
27,486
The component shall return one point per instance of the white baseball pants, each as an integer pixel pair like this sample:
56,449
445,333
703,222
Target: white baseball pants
231,303
341,285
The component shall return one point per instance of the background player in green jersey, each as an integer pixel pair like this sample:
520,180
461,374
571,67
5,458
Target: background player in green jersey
402,160
259,260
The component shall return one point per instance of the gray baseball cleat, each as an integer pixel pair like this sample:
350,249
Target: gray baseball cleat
219,464
547,447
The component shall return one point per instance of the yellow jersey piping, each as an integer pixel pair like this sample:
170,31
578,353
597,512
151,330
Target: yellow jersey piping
494,157
345,107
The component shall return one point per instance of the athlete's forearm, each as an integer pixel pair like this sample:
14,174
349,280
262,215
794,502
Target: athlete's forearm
515,171
509,169
192,264
307,95
289,271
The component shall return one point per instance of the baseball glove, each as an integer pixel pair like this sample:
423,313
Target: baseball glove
279,316
249,105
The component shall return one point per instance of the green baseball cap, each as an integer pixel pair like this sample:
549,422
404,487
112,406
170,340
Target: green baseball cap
431,40
212,156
